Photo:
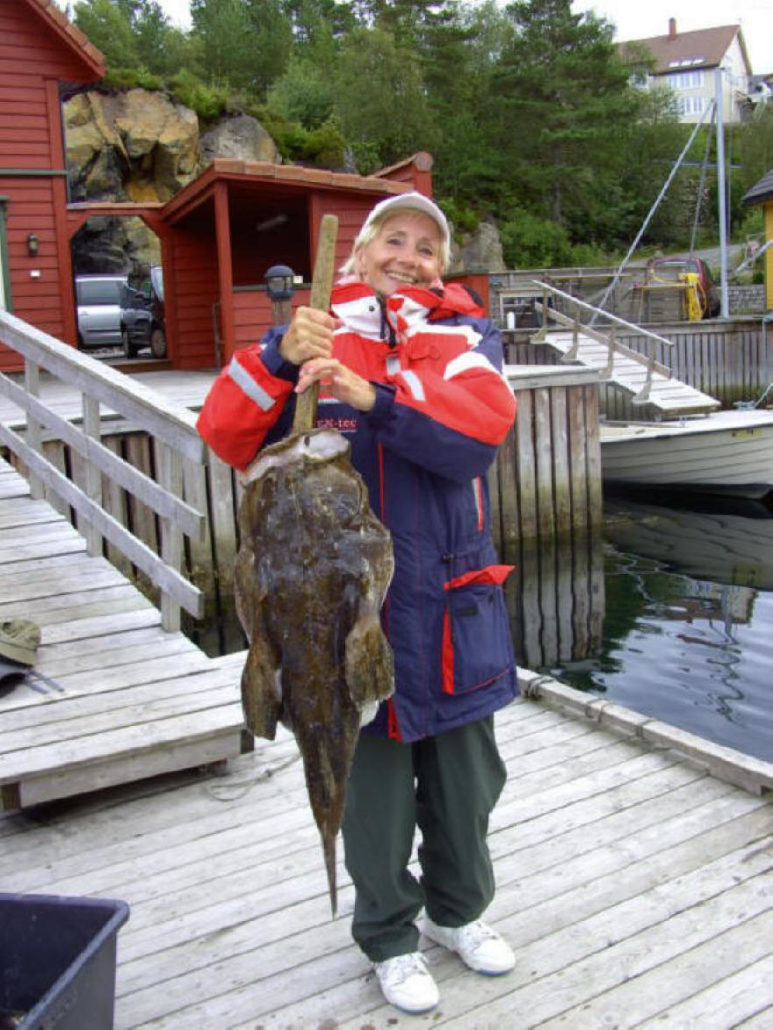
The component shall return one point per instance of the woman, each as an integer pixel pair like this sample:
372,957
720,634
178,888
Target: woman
409,371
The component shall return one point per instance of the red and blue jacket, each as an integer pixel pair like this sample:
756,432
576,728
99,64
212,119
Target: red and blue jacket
442,409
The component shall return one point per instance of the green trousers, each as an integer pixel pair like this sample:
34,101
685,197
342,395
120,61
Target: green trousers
447,786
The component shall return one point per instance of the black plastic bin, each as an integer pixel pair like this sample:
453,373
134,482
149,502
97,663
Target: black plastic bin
57,961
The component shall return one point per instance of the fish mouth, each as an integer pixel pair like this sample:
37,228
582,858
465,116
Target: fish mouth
316,445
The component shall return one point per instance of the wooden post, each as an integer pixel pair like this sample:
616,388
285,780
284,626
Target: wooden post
34,429
93,479
281,311
171,478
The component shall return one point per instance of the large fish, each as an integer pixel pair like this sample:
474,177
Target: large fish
313,567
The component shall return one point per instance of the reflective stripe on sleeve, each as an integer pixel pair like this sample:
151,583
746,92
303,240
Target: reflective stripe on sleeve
414,384
247,385
471,359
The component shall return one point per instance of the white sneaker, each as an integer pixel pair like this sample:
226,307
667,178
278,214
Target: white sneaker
479,947
407,982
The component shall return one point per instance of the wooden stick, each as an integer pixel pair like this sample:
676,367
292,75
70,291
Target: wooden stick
321,285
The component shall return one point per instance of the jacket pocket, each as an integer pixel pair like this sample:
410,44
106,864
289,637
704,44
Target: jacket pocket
477,646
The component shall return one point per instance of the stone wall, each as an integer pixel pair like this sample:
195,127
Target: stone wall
746,300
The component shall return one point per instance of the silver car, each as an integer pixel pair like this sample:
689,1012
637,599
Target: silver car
99,309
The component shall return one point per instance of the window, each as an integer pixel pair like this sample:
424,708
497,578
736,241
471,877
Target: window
99,291
692,105
686,80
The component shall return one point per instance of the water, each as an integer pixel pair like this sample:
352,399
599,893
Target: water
687,629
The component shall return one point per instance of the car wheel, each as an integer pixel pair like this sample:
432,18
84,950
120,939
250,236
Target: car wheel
158,343
126,343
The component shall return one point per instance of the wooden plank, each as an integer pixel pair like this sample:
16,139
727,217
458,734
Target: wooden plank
52,718
182,750
115,503
170,468
27,742
744,940
113,746
223,522
729,1001
527,468
559,435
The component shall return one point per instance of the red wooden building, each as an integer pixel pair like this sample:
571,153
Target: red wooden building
223,231
39,49
219,235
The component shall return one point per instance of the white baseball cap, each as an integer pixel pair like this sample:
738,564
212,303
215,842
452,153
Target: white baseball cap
414,200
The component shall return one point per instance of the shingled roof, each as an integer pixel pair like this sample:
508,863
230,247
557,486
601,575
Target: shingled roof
702,48
761,192
70,34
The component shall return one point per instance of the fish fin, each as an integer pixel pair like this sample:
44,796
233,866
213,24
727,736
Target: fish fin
261,695
369,663
329,850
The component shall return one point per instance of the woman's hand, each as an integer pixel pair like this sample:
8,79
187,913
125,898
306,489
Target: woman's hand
309,335
339,380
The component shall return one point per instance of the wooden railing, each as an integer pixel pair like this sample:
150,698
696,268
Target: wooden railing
172,429
606,336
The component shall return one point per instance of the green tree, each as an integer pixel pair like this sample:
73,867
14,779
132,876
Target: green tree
380,99
108,27
245,43
563,98
304,94
457,65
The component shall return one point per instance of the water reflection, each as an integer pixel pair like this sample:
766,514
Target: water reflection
688,614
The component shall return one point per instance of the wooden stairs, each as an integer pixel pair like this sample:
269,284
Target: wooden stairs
643,380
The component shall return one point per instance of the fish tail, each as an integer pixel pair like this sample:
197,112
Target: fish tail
329,849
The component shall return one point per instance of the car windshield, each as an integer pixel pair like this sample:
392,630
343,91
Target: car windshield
157,278
99,291
673,269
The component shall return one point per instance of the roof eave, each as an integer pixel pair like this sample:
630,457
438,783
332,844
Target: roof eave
71,36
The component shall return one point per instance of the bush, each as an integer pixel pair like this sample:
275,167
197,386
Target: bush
532,242
209,102
463,218
131,78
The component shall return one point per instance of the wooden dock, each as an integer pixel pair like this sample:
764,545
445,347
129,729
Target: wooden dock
633,860
123,698
636,888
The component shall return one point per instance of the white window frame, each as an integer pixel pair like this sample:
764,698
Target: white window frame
686,80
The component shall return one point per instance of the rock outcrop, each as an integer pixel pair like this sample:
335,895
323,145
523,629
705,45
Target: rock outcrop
139,145
241,137
480,251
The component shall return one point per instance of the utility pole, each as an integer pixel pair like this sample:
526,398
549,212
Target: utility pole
722,195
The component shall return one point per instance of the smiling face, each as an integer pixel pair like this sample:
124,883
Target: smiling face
406,250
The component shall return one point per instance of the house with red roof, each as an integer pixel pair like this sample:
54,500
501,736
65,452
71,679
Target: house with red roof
689,63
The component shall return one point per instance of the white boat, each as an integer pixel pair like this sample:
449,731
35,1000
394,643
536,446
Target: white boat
725,452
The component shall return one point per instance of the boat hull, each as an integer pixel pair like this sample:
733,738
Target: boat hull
729,452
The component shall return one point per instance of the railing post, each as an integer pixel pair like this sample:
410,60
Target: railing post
611,344
171,477
571,354
91,427
34,429
643,396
